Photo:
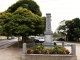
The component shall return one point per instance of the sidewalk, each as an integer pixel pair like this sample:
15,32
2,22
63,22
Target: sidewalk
10,54
77,51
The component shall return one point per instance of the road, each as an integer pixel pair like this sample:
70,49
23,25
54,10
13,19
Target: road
6,43
66,43
77,44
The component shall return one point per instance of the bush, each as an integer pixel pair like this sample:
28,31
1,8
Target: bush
42,50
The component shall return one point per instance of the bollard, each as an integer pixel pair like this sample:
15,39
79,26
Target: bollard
73,48
24,48
62,43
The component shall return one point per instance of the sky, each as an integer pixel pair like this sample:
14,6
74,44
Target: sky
60,9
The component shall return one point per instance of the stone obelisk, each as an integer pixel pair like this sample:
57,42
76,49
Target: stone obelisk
48,32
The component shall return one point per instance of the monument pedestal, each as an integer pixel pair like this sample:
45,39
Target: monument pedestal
48,38
48,45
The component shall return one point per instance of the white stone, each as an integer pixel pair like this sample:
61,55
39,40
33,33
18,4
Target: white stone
48,32
24,48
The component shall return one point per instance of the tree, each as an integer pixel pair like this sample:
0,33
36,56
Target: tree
72,28
70,31
76,24
28,4
44,22
56,35
22,18
4,18
61,29
23,22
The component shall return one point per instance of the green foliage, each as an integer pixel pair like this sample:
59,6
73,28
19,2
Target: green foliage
59,49
22,18
23,21
42,50
56,35
61,30
5,17
71,29
28,4
44,21
35,50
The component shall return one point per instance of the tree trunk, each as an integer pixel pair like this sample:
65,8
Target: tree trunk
78,39
66,38
18,40
23,39
7,37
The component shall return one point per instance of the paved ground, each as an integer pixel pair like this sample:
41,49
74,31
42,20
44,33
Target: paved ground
6,43
10,54
77,51
16,53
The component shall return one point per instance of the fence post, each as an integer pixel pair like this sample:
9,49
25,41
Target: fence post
24,48
62,43
73,48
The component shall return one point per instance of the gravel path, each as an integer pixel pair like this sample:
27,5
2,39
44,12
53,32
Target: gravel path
10,54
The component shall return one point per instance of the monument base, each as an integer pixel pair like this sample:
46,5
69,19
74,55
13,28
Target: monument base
48,39
48,45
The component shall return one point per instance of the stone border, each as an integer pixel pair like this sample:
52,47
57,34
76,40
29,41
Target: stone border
71,56
48,57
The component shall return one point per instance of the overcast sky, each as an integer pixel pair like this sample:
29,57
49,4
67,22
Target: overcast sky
59,9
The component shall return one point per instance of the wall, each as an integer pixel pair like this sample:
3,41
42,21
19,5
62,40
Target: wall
48,57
